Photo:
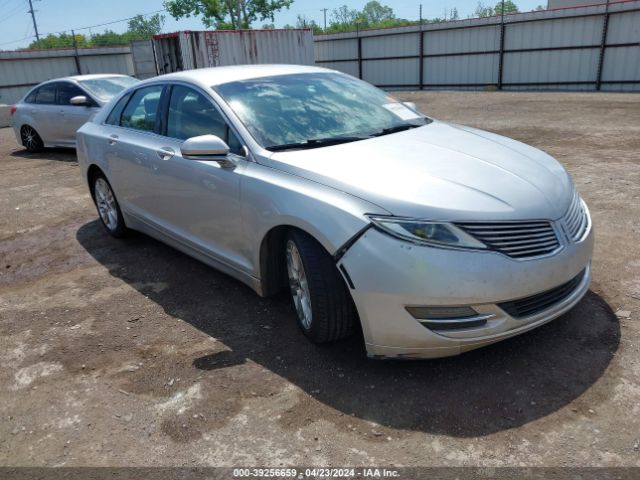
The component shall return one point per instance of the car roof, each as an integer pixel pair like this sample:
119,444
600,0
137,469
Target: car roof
84,77
209,77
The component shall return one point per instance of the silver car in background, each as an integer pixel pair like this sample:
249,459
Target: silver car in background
433,238
50,114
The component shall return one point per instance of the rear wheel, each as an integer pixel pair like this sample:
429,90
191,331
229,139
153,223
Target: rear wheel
322,302
30,139
108,207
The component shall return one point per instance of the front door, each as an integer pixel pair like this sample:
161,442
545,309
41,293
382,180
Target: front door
199,201
71,117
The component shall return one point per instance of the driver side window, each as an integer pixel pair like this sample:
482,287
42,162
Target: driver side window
191,114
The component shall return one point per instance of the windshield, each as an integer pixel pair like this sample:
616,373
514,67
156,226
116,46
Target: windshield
315,109
107,87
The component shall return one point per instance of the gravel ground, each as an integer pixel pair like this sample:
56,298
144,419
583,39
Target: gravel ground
129,353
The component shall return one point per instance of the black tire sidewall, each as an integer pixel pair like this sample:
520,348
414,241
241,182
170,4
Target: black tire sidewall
121,229
332,309
39,143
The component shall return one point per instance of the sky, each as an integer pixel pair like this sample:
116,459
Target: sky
16,27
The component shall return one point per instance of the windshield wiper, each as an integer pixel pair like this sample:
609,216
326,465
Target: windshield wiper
397,128
314,143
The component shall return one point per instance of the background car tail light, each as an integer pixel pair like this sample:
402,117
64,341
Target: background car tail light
447,318
13,109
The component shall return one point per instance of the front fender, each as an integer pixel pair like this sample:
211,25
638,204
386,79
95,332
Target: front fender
273,198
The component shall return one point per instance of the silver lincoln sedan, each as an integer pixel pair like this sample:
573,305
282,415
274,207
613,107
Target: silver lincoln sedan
50,114
434,238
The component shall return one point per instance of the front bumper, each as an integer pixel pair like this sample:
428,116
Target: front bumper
388,274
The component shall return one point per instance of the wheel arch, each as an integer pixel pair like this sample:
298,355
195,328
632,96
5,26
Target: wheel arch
272,264
92,172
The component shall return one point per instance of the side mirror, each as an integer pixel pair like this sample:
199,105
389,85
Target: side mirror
206,147
80,100
411,105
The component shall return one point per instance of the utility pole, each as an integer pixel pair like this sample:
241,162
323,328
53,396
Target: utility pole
421,14
324,10
33,17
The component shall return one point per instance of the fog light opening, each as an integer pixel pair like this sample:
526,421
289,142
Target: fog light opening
448,318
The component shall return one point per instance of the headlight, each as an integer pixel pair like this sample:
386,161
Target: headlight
431,233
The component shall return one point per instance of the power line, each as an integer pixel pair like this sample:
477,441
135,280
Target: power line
83,28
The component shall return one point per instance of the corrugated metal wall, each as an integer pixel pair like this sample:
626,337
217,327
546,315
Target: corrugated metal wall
585,48
186,50
21,70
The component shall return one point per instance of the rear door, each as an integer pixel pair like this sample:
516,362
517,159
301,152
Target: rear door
44,112
131,145
71,117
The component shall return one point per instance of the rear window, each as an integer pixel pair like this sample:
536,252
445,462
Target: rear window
31,98
46,94
108,87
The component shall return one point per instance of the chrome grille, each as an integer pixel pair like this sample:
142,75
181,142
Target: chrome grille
515,239
576,220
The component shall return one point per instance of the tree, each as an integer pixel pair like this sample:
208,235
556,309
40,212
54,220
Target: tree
63,40
453,15
509,7
141,29
303,22
374,13
227,14
344,16
484,11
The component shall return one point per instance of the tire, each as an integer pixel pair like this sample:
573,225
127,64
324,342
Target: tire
107,206
323,304
30,139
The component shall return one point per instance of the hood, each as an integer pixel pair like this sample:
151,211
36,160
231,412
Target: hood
440,172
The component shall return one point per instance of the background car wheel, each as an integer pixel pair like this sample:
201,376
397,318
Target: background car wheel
108,208
323,304
30,139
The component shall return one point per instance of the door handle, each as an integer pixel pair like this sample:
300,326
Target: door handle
113,139
166,153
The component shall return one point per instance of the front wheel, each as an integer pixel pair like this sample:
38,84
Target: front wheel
108,207
322,302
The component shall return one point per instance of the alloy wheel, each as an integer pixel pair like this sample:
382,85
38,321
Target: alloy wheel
29,138
299,285
106,202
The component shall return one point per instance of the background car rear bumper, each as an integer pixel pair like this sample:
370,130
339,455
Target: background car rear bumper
388,274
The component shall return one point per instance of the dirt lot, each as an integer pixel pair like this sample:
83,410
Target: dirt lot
130,353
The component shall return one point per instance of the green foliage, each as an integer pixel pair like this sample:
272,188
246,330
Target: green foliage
509,7
226,14
139,29
483,11
373,15
303,22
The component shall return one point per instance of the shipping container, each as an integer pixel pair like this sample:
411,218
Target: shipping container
187,50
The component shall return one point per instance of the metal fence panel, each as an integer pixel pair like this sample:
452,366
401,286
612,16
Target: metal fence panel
390,46
624,28
551,66
336,50
439,42
564,32
391,72
590,47
462,69
622,64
